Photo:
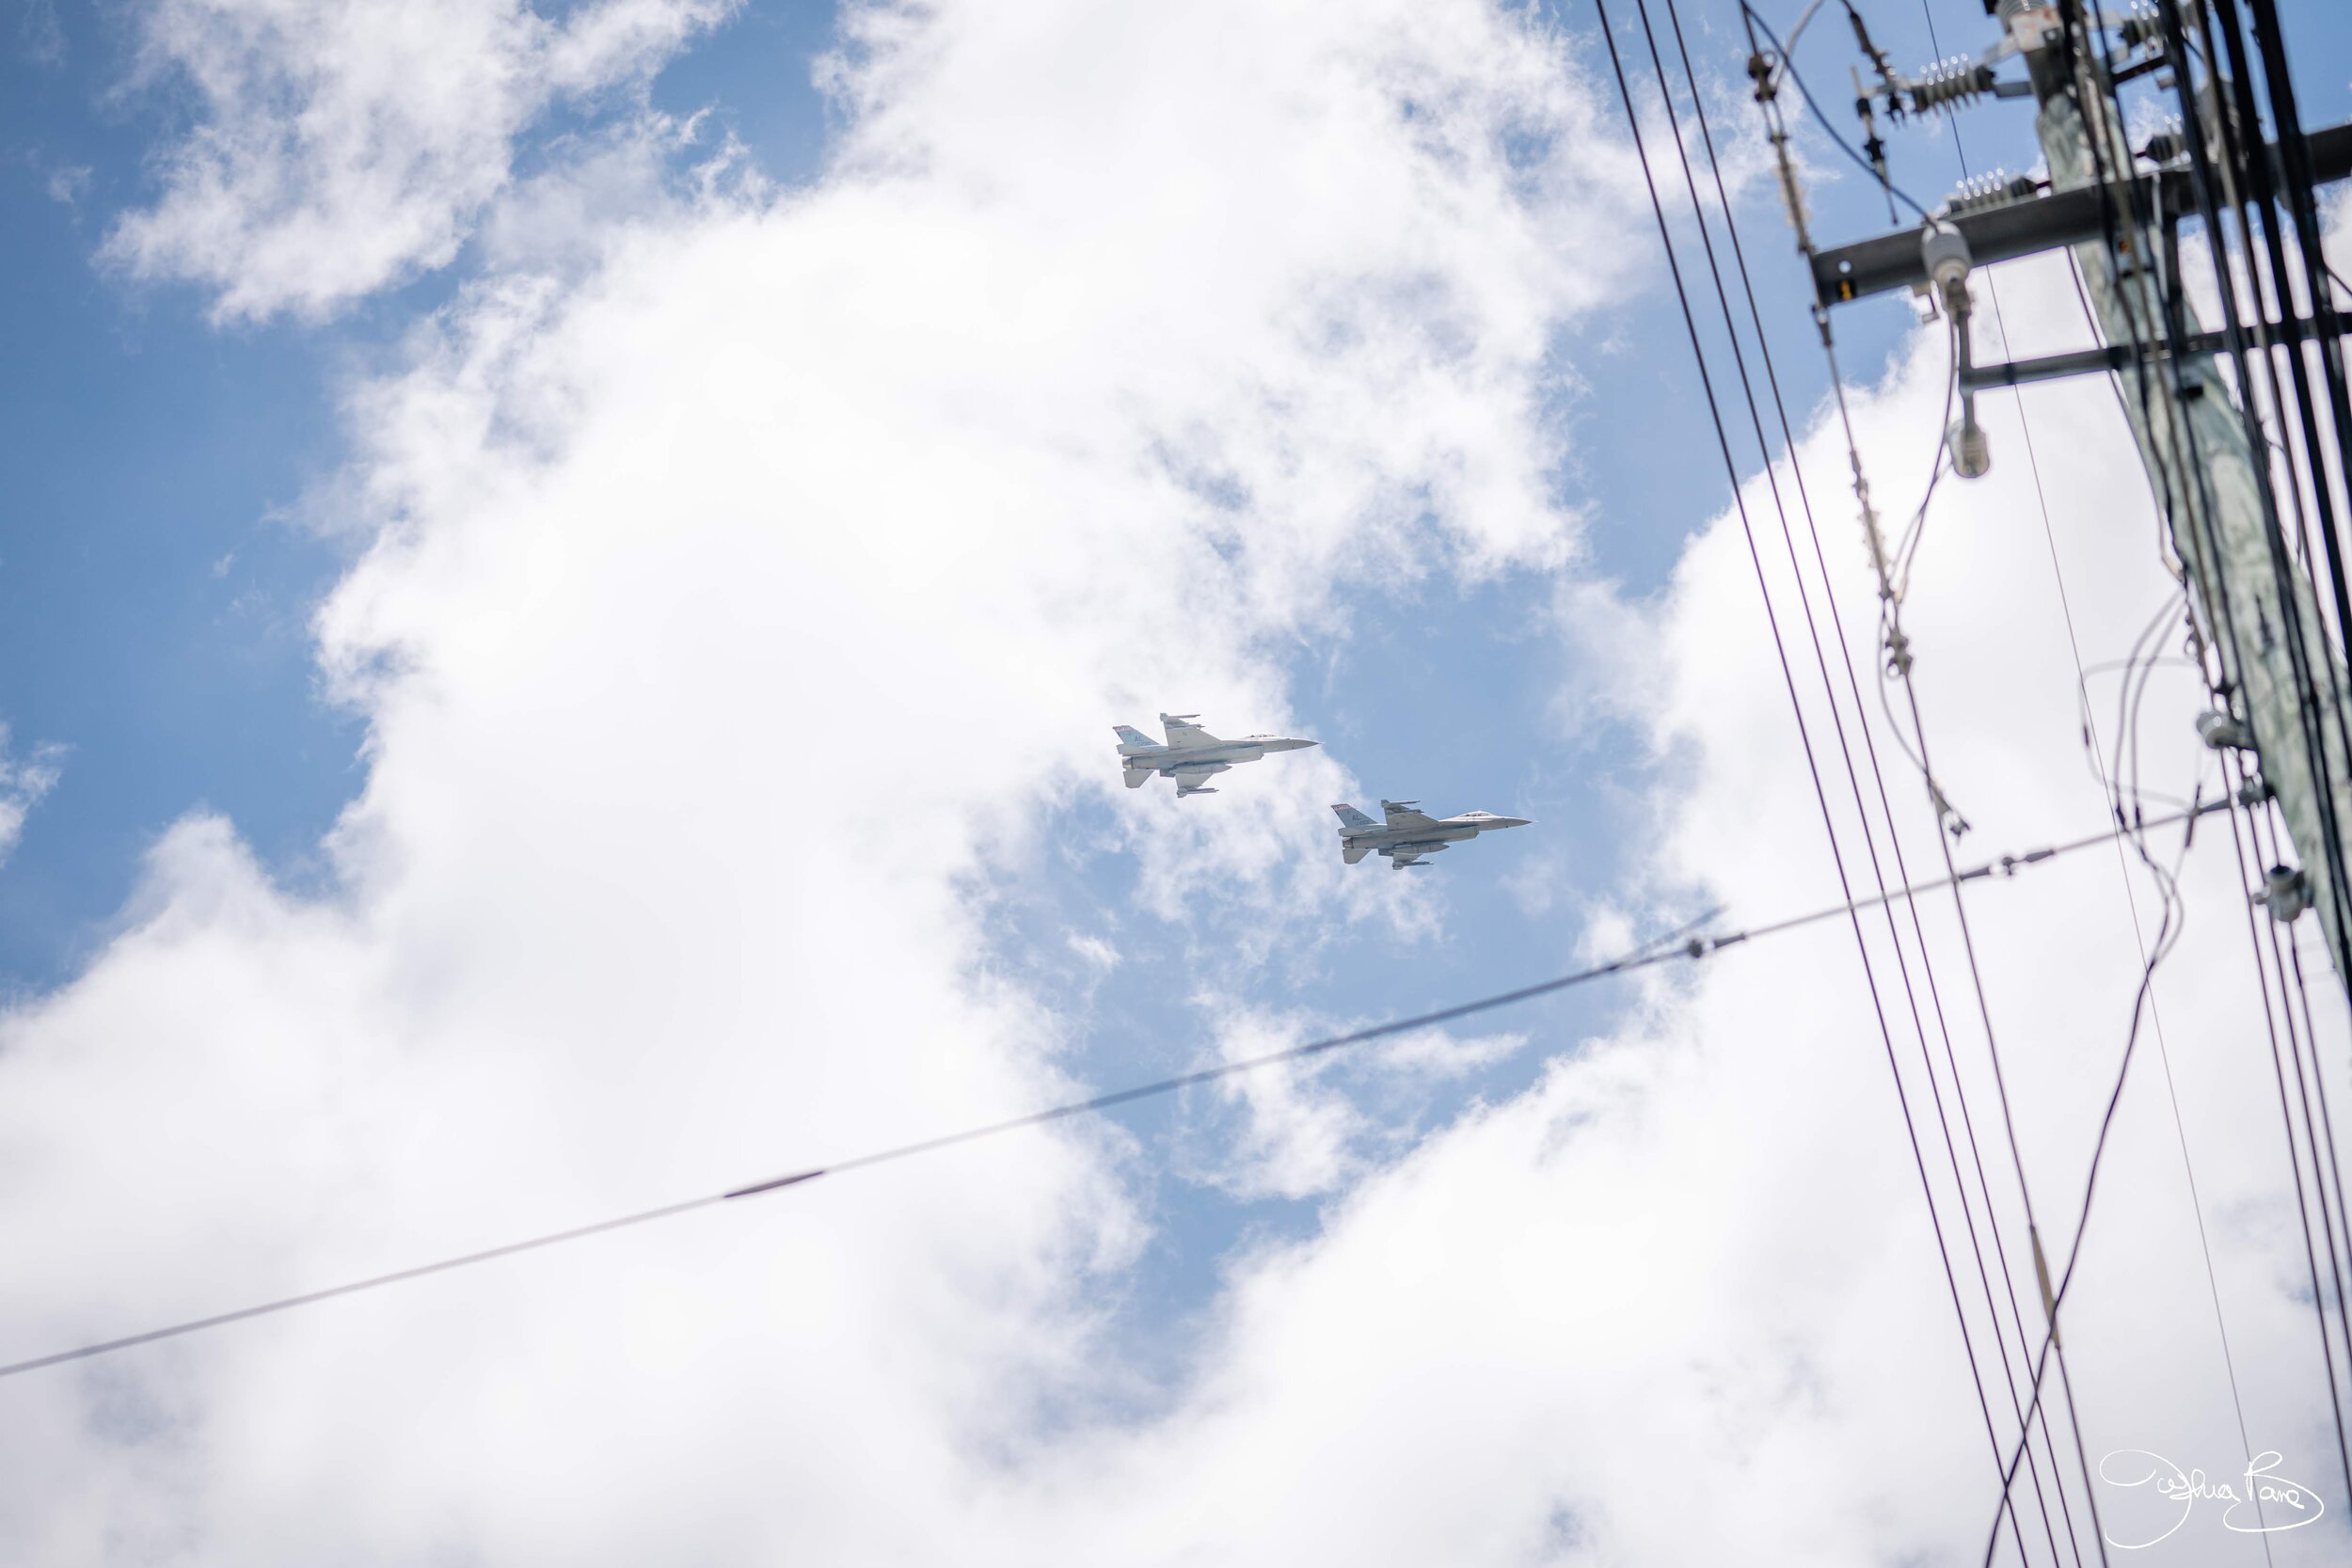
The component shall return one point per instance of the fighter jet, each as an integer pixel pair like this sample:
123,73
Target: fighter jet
1192,757
1407,834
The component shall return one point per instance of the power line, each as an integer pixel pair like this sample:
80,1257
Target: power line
2260,193
1885,808
2094,90
1831,130
2167,933
2095,93
2286,1116
1899,660
1837,725
2127,718
2123,866
1677,944
2033,465
2252,172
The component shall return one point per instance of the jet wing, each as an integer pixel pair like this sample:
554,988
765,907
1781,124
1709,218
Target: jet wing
1183,732
1405,816
1192,778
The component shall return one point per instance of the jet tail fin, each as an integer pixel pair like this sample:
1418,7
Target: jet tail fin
1136,777
1352,855
1352,818
1129,736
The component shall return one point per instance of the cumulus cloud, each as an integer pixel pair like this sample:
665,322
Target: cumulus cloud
341,145
1681,1302
1118,349
1117,346
1295,1141
1305,1131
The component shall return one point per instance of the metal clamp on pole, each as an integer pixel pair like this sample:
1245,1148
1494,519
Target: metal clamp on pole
1944,251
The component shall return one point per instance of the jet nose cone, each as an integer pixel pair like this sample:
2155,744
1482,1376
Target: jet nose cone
1512,822
1291,744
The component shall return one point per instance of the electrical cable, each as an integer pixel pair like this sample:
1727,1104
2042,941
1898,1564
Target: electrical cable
1789,67
2287,1116
2329,1219
2300,197
1675,944
1947,815
1854,778
2097,129
1896,584
2168,936
2224,641
2292,156
2319,1088
2302,204
2290,608
2252,195
1899,663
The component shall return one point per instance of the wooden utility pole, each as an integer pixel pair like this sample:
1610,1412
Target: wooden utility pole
2285,688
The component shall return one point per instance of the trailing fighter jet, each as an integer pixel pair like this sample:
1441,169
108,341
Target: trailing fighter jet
1407,834
1192,757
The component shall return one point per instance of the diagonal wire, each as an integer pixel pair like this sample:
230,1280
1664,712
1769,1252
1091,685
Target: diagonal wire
1918,930
1675,944
1731,469
2066,611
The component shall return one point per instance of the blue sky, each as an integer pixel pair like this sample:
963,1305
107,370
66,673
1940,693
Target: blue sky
159,572
156,578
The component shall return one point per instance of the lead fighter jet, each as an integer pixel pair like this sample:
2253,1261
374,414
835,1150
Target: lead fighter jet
1408,835
1192,757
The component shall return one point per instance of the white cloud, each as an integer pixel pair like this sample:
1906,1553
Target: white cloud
40,35
341,146
1439,1055
22,783
1122,341
1680,1302
1121,345
1302,1133
1099,954
67,184
1294,1141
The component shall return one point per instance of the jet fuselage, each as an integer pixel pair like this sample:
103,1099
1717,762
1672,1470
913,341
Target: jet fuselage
1407,833
1192,755
1247,748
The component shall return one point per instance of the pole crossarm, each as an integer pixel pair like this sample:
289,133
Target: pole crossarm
2063,217
2122,356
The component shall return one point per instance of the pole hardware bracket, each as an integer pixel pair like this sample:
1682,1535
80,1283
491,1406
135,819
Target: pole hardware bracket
2286,892
2073,216
2223,732
1944,252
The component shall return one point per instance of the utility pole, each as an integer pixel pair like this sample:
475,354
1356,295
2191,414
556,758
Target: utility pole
2284,686
2280,667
